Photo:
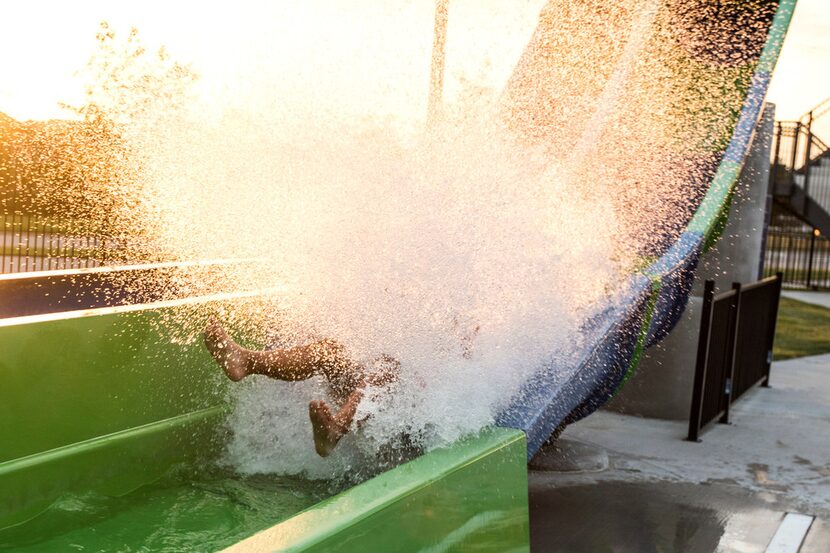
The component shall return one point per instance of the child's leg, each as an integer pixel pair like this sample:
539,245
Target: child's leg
328,428
297,363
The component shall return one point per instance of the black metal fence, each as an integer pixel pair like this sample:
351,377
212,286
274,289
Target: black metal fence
39,243
800,182
802,256
737,330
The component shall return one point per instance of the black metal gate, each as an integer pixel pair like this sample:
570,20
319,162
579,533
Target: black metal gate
737,330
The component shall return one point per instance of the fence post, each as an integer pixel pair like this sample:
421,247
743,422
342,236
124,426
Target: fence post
729,373
3,250
810,258
794,154
700,364
436,74
776,163
779,278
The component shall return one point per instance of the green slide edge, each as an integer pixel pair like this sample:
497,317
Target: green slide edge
715,204
469,496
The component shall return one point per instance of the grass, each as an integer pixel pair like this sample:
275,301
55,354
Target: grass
802,329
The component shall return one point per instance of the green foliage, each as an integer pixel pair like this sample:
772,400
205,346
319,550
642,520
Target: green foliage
88,168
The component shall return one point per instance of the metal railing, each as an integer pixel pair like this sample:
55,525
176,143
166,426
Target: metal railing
801,256
795,244
802,159
737,330
41,243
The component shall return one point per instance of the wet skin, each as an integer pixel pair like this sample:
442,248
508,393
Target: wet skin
346,379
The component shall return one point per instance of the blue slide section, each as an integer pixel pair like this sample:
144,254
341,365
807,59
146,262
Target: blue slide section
555,393
676,273
657,296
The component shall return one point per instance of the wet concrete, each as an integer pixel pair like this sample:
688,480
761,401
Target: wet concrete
818,538
727,493
646,517
569,455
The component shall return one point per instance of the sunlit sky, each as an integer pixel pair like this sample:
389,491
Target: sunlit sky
362,54
802,76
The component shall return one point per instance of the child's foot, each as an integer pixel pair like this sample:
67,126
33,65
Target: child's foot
327,432
225,351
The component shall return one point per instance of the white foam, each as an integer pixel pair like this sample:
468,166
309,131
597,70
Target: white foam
463,251
406,253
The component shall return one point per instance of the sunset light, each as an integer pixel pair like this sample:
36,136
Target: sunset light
367,56
382,276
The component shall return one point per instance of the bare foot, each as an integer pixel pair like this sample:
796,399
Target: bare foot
225,351
327,432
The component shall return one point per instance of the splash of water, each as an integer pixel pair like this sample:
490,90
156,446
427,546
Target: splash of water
453,253
452,250
470,251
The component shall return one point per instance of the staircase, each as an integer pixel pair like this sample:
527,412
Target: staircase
801,173
797,242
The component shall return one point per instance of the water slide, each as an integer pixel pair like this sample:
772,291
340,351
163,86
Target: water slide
107,432
658,294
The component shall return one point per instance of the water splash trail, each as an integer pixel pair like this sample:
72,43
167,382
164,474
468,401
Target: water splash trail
607,103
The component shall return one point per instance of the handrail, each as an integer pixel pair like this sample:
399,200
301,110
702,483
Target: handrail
797,130
800,166
818,110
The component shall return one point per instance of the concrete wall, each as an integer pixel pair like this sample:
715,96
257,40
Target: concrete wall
662,384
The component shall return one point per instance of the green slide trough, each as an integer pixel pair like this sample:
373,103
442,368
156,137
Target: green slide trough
109,428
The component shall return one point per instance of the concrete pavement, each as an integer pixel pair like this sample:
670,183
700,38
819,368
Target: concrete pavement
816,298
726,493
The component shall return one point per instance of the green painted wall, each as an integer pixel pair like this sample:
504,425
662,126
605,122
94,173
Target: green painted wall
471,496
108,402
103,402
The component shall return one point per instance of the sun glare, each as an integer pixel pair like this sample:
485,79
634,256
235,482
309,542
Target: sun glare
355,50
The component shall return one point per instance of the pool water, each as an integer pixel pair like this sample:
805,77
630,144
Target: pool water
184,511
